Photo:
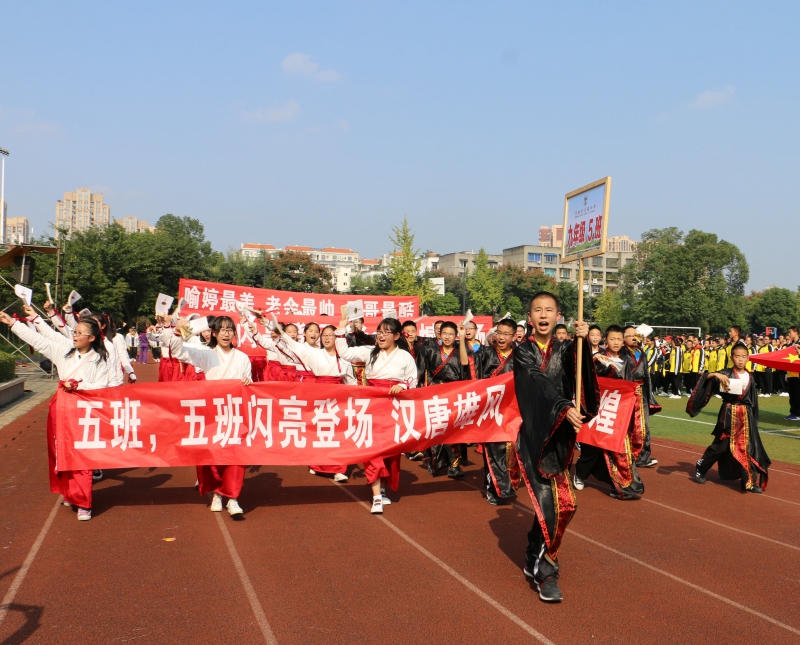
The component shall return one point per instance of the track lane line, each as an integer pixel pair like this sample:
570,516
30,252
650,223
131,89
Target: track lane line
774,433
8,599
250,592
667,574
483,596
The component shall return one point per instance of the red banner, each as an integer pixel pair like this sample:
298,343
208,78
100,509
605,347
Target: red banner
290,424
608,429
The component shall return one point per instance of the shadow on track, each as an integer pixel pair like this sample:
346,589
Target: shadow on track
33,616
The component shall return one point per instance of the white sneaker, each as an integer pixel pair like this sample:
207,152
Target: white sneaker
340,477
719,396
216,503
377,506
234,508
386,501
84,514
784,394
312,472
577,482
674,396
67,504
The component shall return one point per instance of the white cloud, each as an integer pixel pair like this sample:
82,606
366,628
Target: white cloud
281,114
712,98
342,125
304,65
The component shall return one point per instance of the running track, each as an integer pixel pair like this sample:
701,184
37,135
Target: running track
309,564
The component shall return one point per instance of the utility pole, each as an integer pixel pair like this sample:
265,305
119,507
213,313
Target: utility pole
3,155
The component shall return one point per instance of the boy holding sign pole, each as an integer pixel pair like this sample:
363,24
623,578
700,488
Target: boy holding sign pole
545,375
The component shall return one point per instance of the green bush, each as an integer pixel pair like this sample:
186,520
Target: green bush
7,366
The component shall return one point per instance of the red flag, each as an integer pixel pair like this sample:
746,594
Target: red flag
784,359
608,429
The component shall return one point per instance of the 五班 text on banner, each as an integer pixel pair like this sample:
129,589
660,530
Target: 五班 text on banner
273,423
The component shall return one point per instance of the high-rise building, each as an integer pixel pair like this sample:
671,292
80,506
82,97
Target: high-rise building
551,235
621,244
81,210
133,224
17,230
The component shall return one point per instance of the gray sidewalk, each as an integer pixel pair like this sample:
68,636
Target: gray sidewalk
38,387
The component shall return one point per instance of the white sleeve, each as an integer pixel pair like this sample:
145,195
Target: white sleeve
114,376
48,332
100,378
247,366
122,354
39,342
352,354
200,357
70,321
410,371
59,324
265,340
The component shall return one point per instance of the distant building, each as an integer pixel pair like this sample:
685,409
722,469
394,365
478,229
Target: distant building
551,235
81,210
249,250
457,263
133,224
17,230
620,243
601,272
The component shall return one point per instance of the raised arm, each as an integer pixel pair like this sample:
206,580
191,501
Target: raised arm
40,343
200,357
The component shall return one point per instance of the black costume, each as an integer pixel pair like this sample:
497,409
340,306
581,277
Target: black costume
500,466
737,445
444,368
544,381
617,468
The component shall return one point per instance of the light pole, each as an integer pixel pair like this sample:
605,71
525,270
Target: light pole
3,155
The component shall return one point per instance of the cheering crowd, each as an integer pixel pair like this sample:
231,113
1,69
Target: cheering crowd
547,362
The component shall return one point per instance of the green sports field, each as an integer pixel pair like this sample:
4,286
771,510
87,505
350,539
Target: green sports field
781,438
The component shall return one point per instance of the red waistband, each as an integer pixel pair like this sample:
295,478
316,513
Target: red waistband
330,379
381,382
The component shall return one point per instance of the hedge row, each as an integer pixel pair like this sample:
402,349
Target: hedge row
7,366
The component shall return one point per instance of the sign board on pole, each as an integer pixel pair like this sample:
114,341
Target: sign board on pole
586,220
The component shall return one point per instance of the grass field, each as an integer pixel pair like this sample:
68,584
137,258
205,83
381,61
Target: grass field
780,438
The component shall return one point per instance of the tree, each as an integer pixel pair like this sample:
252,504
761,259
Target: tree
484,286
608,309
234,269
296,271
568,297
404,272
372,285
686,279
773,307
446,305
514,306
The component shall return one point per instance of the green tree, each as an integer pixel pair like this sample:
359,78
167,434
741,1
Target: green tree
446,305
232,268
608,309
514,306
773,307
296,271
568,297
404,272
686,279
372,285
524,284
484,286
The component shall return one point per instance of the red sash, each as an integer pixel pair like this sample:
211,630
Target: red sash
306,376
503,362
329,379
444,362
382,382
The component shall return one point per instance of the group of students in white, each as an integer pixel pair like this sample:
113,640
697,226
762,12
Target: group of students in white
89,354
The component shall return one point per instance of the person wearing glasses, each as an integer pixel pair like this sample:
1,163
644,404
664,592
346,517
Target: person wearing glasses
82,363
220,360
500,468
388,365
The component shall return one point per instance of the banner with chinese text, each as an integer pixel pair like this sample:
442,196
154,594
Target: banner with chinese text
608,429
272,424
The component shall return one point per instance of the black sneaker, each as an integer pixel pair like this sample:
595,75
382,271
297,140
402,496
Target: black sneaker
699,477
455,473
755,489
97,475
623,496
494,500
548,588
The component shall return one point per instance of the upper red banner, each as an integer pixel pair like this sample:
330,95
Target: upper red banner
275,423
608,429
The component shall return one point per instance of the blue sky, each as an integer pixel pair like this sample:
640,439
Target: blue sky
325,123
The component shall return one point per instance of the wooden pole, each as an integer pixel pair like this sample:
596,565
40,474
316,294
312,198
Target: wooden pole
579,372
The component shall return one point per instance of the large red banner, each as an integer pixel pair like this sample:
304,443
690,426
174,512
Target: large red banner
275,423
608,429
782,359
216,299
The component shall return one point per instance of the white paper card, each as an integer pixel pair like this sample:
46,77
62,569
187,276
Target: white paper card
23,292
84,312
163,303
735,387
74,296
644,330
355,310
468,318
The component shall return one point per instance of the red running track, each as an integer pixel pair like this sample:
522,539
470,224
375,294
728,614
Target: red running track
686,564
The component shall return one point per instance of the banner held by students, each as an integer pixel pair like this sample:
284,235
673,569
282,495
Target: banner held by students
608,429
288,424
